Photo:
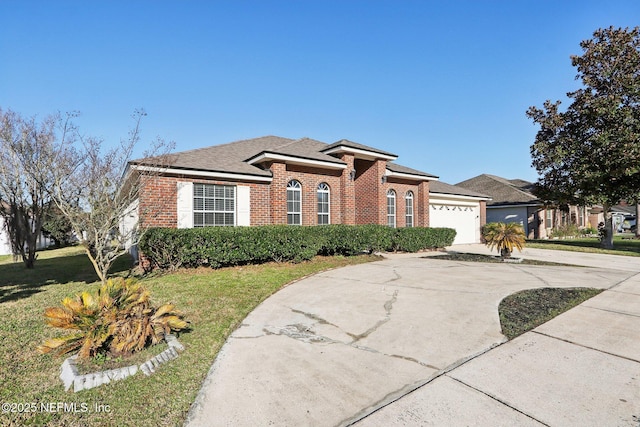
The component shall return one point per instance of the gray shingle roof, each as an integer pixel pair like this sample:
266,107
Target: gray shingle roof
229,158
444,188
305,148
628,210
502,191
394,167
232,157
351,144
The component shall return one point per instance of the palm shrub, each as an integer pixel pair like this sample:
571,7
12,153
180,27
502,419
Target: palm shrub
117,321
505,237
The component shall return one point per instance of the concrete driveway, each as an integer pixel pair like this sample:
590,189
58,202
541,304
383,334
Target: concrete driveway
416,341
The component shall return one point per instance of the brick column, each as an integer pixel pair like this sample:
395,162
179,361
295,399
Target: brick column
348,191
380,168
422,205
367,186
278,194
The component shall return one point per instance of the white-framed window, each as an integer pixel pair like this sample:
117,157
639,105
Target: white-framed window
391,208
408,199
294,203
323,203
549,219
214,205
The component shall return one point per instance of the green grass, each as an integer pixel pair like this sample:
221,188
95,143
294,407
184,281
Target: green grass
528,309
621,246
214,301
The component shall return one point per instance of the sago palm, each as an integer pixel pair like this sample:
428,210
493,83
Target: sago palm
119,320
505,237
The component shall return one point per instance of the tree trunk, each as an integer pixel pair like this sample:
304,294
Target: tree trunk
607,240
96,267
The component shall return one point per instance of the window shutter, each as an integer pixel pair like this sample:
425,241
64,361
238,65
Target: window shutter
185,205
243,194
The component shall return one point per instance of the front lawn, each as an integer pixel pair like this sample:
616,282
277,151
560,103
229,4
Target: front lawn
214,301
622,245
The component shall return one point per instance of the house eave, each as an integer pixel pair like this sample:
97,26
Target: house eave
413,177
516,205
458,196
203,174
293,160
359,153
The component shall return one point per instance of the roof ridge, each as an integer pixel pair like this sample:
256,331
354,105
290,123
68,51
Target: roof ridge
293,141
510,184
229,143
287,143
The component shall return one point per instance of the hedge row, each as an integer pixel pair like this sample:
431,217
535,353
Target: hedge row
170,248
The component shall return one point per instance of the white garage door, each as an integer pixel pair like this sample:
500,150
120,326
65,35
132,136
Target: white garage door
464,219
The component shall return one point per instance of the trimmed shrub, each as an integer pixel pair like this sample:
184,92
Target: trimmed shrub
564,231
416,239
169,248
350,240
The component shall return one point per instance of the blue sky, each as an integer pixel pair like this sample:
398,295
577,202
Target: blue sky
444,85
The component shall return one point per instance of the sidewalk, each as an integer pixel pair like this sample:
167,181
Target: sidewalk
614,262
580,369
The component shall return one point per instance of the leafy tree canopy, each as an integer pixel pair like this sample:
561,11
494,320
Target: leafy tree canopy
590,153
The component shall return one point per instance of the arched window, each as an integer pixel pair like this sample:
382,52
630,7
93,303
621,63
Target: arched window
391,208
408,199
294,203
323,203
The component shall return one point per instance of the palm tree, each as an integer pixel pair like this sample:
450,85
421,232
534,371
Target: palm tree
504,237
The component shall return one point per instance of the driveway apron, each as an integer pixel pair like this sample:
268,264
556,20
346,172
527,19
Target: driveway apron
336,347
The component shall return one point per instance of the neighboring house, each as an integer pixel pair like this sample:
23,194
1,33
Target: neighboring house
5,243
274,180
624,217
513,201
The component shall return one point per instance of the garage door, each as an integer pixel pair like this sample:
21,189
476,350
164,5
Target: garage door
464,219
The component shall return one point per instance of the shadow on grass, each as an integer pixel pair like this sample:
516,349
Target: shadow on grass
18,282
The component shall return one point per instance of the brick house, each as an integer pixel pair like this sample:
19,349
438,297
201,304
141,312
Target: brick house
275,180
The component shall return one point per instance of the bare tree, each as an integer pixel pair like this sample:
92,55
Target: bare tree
98,193
28,151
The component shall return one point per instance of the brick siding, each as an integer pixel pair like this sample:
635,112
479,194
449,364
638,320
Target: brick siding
401,188
362,200
159,203
367,189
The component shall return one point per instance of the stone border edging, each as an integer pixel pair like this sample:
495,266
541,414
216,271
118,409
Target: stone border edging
69,372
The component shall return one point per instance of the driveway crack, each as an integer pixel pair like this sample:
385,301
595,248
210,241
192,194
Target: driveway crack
314,317
532,274
388,306
300,333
